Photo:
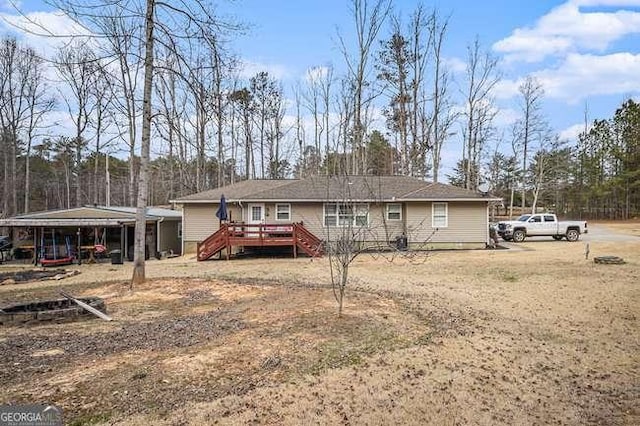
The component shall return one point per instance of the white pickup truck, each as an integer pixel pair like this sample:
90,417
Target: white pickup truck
538,225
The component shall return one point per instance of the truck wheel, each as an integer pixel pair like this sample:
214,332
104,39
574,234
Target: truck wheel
573,235
557,237
518,236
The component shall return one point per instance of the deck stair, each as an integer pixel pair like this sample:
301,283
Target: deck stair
213,244
307,241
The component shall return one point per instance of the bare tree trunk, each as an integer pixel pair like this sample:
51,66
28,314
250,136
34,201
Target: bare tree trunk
482,77
140,232
368,22
107,178
511,202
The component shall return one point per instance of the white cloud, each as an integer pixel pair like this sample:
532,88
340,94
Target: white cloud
567,28
316,74
606,2
506,89
251,68
582,76
11,5
578,77
44,31
455,65
506,117
61,122
571,133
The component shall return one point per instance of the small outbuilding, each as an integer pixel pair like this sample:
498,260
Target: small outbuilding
84,231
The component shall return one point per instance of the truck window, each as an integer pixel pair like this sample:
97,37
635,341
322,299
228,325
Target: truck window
524,218
548,218
536,219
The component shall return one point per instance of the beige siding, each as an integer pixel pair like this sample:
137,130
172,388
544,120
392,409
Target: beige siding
381,229
311,214
467,223
200,220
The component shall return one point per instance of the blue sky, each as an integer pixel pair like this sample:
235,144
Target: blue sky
288,37
582,51
585,52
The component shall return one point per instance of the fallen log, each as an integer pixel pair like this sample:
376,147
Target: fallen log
86,307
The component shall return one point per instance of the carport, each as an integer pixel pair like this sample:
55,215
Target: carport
79,230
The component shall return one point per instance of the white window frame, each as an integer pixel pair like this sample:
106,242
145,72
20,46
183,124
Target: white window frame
287,207
399,212
361,209
433,215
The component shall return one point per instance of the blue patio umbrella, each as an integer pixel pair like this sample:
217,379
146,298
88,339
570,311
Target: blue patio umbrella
222,210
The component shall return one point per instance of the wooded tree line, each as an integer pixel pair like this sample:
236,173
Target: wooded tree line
598,177
389,108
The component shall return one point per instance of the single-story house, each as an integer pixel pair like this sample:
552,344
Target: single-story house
383,208
110,227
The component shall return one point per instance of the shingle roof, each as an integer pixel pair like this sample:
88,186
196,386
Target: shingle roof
323,188
236,191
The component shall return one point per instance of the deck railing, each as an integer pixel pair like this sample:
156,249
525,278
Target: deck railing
260,235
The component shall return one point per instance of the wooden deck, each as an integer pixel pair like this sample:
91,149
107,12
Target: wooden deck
231,235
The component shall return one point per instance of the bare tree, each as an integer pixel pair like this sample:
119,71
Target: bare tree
141,206
76,67
242,102
172,27
312,101
121,31
420,37
368,19
40,103
393,67
346,232
20,86
442,116
102,93
531,123
481,78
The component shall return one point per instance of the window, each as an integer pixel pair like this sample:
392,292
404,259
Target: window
439,215
548,218
180,230
256,213
283,211
535,219
339,214
394,211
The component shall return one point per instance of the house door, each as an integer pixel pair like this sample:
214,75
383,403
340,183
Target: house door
256,217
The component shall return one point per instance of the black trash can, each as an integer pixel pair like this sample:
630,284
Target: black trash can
401,242
116,257
130,253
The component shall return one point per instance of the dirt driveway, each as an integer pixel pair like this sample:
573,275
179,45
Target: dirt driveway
538,336
610,232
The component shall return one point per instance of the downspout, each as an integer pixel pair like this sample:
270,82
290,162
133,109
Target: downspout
488,237
182,233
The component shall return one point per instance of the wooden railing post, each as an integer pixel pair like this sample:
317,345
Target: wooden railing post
294,234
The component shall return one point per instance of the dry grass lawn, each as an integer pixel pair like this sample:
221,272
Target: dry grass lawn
536,335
